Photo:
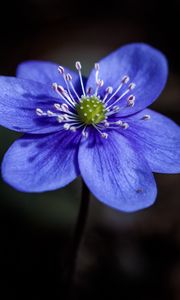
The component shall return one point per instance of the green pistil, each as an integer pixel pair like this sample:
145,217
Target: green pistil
90,110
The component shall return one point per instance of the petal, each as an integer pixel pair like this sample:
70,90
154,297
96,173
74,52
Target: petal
158,139
146,67
47,73
116,174
42,71
41,163
19,99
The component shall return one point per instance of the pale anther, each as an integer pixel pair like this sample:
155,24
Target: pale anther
78,65
39,112
125,79
65,107
66,126
125,125
69,77
61,69
131,86
119,122
109,90
50,113
57,106
96,66
104,135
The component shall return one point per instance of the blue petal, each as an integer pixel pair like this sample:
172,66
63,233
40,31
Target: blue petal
116,174
47,73
19,99
42,71
146,67
158,139
38,163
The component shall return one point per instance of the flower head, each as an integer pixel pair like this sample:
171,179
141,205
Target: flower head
98,127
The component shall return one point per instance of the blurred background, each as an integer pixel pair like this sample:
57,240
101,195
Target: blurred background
122,255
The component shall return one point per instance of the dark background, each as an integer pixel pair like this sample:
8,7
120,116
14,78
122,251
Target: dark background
123,255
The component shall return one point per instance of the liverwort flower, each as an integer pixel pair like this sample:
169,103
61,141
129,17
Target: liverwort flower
98,128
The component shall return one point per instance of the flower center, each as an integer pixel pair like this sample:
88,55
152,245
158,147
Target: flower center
91,110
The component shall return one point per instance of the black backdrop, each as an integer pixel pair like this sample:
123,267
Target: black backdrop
128,255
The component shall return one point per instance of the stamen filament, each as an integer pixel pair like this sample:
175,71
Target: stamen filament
78,67
126,92
124,80
108,92
60,91
68,89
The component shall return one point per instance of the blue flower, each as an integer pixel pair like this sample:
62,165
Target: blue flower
98,128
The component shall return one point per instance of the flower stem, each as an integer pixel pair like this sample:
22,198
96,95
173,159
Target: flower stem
78,235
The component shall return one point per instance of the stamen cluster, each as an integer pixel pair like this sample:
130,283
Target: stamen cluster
78,112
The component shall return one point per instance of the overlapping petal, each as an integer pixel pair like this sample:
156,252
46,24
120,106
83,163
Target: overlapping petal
146,67
19,99
115,173
43,71
47,73
157,139
37,163
117,170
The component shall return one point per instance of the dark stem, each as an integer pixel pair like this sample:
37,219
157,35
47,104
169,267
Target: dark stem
78,234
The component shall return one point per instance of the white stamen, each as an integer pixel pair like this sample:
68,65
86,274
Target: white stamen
89,91
60,118
115,108
66,126
109,90
96,66
99,83
57,106
64,107
78,67
106,124
125,125
131,100
61,92
131,86
74,90
66,117
67,82
59,88
73,128
50,113
61,70
119,122
67,95
67,114
68,77
104,135
124,80
39,112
